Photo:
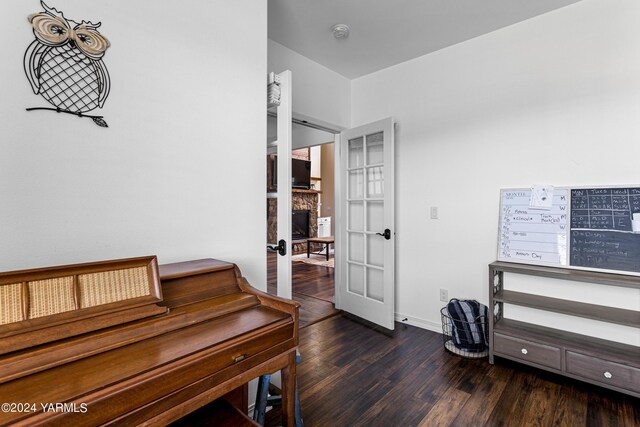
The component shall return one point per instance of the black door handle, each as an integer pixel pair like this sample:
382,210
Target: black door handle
281,248
386,234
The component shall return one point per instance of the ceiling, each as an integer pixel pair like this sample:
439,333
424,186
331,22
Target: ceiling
388,32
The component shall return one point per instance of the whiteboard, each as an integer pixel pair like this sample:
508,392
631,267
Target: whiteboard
533,236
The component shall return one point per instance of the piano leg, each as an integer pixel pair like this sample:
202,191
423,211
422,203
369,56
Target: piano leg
288,392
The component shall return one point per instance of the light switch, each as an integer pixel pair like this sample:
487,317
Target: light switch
434,212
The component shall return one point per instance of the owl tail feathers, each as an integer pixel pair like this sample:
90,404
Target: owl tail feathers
99,120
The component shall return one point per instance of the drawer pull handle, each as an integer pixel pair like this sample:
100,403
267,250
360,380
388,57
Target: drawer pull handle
239,358
524,351
608,375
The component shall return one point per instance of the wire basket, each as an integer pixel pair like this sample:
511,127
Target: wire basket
465,338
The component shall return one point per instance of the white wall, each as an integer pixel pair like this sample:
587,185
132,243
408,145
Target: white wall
555,100
327,197
180,171
320,95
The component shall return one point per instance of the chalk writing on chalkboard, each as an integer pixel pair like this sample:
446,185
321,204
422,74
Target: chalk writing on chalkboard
533,235
602,230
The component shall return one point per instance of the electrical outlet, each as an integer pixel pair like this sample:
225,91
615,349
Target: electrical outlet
444,295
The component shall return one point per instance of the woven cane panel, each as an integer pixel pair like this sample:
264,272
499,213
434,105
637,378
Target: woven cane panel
50,296
11,303
112,286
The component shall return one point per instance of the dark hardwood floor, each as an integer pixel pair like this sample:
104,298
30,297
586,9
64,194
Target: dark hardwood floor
313,280
312,287
352,375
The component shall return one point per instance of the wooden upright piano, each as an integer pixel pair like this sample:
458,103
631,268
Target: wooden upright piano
126,342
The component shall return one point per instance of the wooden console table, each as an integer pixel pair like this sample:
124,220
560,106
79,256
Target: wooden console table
326,241
598,361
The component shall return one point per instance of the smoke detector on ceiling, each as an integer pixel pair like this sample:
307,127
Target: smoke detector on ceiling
340,31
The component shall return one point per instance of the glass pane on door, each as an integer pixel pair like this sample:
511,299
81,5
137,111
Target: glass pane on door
356,279
356,247
375,151
356,153
375,250
375,216
375,182
356,216
375,284
356,184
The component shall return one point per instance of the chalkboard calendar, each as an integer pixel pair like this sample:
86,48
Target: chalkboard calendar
585,228
602,231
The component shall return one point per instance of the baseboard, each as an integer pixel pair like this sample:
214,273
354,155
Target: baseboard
368,324
419,323
401,318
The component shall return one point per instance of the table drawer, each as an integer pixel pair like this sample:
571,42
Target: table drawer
603,371
528,351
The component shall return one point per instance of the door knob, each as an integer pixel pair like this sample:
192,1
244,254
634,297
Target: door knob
281,248
386,234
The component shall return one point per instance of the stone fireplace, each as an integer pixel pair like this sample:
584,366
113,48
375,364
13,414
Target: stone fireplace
302,200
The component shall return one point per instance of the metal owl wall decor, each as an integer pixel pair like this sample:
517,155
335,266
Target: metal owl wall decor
64,64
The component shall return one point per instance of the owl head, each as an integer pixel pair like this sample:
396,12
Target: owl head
51,28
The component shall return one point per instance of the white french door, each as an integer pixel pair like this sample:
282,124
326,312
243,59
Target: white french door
283,144
365,227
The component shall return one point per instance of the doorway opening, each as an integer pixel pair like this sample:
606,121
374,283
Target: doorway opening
313,216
